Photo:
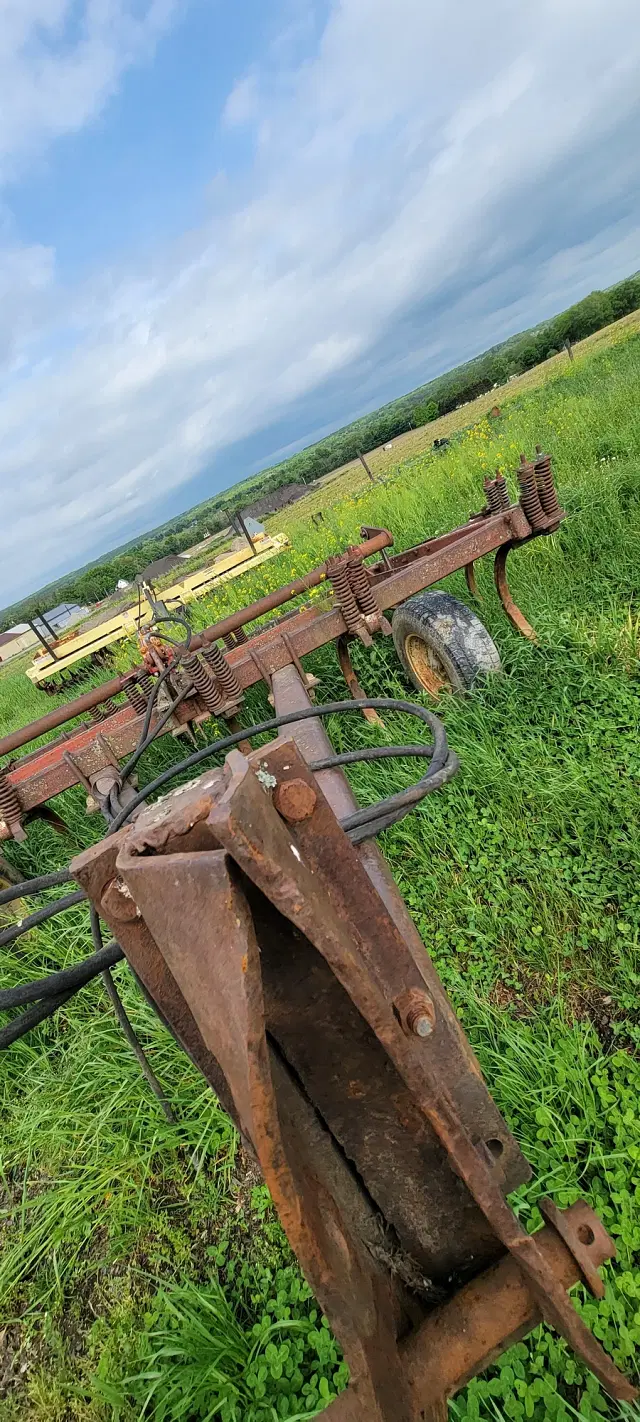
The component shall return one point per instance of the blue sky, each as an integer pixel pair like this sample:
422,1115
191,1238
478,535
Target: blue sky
226,229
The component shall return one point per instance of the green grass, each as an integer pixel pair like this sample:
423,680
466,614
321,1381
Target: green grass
142,1273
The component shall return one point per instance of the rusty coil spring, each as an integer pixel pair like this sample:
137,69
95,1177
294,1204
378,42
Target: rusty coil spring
545,483
136,698
235,639
500,485
338,568
223,673
146,684
205,683
10,807
492,495
100,713
361,587
529,497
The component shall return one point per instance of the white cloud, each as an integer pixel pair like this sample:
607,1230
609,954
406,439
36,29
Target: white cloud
242,105
421,156
60,61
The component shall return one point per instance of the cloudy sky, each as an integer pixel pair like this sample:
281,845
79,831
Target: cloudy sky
228,228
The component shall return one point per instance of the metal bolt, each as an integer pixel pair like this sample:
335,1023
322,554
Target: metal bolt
118,903
420,1024
416,1012
295,800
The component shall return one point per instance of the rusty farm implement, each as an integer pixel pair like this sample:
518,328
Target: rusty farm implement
262,922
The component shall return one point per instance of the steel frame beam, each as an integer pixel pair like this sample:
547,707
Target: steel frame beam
289,955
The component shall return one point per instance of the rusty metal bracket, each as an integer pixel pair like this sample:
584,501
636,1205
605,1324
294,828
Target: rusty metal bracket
306,678
258,928
516,617
348,672
470,579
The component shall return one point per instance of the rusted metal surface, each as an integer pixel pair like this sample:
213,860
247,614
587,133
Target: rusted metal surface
95,869
363,595
73,759
348,672
468,1332
515,615
585,1238
470,579
348,1072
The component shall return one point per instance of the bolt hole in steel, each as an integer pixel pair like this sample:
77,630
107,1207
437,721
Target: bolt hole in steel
585,1234
495,1147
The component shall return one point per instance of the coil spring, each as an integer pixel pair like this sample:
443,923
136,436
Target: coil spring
362,589
235,639
545,484
10,807
205,683
500,485
145,682
529,497
100,713
493,496
338,575
136,698
223,672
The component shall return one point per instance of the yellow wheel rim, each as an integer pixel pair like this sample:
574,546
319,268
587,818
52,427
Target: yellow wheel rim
426,665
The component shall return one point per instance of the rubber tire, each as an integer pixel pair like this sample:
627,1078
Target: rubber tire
452,631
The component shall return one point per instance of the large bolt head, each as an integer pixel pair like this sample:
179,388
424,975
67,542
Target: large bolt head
295,800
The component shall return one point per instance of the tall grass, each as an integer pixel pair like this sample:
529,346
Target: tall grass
139,1259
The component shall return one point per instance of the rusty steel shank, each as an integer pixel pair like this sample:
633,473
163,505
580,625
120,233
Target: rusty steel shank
282,957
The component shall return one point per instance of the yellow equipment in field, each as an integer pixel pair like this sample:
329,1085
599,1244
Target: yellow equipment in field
70,650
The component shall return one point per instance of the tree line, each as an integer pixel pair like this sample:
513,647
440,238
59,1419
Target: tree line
446,392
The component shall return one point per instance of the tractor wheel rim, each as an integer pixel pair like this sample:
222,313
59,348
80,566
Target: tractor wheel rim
426,665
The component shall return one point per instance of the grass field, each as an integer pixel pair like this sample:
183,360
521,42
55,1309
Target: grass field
142,1273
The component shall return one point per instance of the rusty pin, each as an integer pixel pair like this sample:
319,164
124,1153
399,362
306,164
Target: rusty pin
295,800
416,1012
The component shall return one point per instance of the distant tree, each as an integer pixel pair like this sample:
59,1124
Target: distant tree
625,297
587,316
423,414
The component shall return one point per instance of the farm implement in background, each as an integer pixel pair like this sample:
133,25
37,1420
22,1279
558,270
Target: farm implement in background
263,924
63,662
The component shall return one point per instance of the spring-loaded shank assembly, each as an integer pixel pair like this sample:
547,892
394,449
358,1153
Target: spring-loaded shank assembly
220,675
282,957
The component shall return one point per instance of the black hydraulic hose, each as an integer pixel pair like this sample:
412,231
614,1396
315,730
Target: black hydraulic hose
33,886
147,737
362,824
56,983
16,930
378,703
30,1019
125,1025
153,697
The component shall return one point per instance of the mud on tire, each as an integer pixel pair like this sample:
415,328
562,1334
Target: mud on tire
441,643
